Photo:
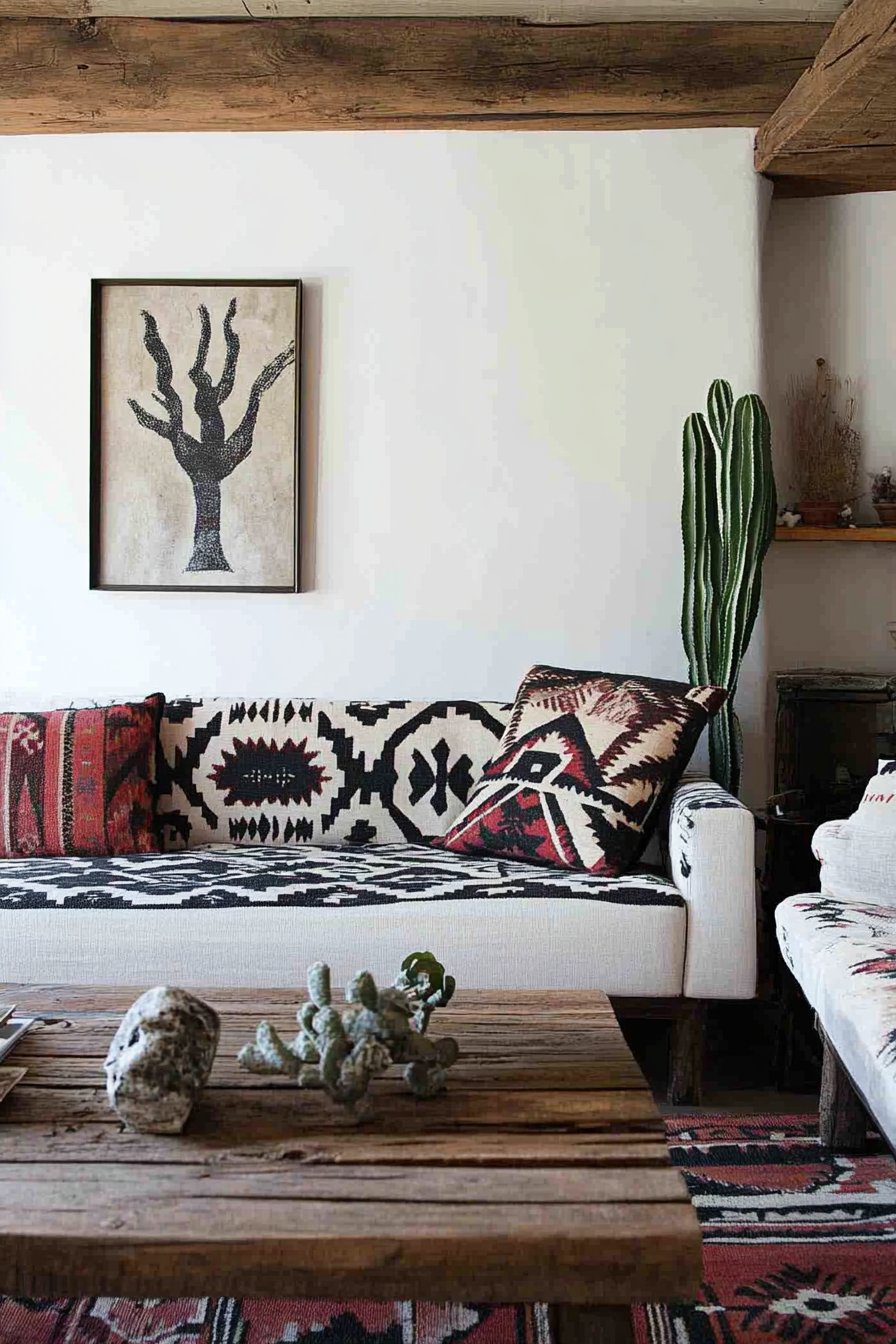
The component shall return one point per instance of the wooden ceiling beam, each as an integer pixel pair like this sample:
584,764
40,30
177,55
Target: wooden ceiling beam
118,74
836,130
533,11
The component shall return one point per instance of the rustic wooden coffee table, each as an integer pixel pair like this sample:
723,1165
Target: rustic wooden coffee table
542,1174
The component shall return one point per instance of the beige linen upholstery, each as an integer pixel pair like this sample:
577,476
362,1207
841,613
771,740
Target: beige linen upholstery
508,943
711,853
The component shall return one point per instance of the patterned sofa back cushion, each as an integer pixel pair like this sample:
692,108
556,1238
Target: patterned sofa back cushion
283,772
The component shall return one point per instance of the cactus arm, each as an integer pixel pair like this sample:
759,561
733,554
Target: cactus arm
718,409
268,1053
319,984
719,405
766,524
757,527
696,448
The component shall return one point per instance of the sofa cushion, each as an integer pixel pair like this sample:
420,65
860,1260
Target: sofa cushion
230,915
79,781
217,875
585,762
843,954
289,771
857,864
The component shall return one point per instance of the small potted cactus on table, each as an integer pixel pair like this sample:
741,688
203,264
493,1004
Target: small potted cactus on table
883,496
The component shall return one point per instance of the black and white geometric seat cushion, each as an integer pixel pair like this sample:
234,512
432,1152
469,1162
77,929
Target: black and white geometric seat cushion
226,876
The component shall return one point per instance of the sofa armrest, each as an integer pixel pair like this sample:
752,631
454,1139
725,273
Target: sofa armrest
712,860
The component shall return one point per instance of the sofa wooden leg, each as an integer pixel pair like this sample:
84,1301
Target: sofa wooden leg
842,1118
686,1060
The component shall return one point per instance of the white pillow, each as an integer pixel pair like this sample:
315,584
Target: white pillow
877,810
858,863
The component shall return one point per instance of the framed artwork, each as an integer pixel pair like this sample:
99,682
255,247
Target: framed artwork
194,461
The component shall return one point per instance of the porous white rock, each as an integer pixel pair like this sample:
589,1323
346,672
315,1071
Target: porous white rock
160,1059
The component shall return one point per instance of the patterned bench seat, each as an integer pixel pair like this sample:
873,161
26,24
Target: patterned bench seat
843,955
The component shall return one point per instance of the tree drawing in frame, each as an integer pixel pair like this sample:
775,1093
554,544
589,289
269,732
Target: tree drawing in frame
211,458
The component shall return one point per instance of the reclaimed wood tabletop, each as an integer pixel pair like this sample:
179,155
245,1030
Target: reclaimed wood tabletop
541,1174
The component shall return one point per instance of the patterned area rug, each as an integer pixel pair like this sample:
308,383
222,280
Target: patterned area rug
798,1246
227,1320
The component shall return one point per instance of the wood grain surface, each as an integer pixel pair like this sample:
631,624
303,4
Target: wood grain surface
836,130
534,11
542,1173
132,74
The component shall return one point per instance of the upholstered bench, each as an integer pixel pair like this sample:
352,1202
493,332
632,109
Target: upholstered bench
840,945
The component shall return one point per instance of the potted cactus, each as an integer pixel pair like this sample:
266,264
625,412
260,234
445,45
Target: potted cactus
727,520
883,496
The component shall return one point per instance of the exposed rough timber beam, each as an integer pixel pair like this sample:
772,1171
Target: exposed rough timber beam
534,11
836,132
315,74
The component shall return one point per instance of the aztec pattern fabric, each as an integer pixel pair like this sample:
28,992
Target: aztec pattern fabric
843,955
79,781
797,1243
228,1320
586,761
857,864
285,772
225,876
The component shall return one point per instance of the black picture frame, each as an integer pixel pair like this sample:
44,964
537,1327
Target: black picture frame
98,449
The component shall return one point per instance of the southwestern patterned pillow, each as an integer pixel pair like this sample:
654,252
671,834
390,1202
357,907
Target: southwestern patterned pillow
583,768
79,781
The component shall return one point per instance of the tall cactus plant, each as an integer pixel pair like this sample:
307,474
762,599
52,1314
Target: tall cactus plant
727,521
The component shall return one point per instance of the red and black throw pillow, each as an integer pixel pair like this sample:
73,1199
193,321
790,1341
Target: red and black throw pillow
583,768
79,781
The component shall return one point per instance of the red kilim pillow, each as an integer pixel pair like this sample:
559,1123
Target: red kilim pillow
79,781
583,768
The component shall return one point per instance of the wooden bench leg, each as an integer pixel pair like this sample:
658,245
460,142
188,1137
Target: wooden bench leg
592,1325
686,1060
842,1119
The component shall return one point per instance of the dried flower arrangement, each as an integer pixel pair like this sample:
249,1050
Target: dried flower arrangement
826,449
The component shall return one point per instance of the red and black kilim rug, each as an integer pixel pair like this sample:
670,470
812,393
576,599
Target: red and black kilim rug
798,1246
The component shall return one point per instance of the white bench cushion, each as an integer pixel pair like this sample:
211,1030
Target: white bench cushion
843,954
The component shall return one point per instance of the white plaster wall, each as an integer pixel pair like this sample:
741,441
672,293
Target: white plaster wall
829,290
503,336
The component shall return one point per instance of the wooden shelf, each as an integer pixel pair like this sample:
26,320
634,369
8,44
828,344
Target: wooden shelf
800,533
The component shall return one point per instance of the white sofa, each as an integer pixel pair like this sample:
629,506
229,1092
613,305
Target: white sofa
840,945
295,831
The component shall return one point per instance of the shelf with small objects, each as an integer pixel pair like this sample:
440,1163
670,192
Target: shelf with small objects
825,457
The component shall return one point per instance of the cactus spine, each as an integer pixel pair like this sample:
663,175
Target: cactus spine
728,515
